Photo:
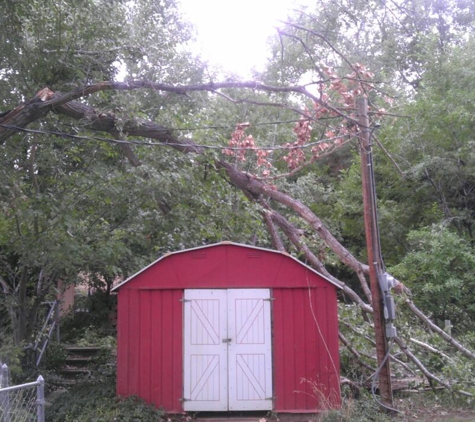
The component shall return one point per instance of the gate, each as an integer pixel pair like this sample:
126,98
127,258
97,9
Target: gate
21,403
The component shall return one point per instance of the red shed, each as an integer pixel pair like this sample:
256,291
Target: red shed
229,327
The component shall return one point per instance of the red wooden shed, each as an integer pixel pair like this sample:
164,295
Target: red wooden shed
229,327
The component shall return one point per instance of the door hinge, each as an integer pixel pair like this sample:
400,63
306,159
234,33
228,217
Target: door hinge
270,299
184,300
183,399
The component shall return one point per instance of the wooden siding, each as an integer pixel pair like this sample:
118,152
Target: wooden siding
149,358
226,266
307,368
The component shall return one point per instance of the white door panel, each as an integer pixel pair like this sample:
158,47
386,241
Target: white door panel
227,350
205,355
250,350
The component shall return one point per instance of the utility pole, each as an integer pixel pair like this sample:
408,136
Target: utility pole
374,252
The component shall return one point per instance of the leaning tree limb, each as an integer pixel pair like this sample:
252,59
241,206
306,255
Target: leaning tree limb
46,101
246,181
447,337
403,364
373,344
25,114
430,348
293,235
275,237
355,353
429,375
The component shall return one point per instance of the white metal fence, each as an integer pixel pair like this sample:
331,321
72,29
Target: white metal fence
23,402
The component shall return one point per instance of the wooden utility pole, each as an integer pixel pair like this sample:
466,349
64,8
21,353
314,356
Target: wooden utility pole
374,251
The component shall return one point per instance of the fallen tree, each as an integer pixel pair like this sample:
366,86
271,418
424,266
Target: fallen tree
256,188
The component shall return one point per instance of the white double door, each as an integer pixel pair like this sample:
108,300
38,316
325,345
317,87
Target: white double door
227,350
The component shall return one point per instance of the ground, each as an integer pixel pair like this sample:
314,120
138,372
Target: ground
414,409
431,411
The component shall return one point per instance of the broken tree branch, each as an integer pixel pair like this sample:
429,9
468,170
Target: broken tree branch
47,100
429,348
448,338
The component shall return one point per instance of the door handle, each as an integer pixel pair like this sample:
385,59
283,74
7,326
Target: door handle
227,340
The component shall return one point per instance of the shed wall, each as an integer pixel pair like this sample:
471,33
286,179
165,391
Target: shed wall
306,355
149,358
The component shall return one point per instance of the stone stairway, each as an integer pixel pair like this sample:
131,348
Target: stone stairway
80,361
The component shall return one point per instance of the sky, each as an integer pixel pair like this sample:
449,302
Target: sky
233,34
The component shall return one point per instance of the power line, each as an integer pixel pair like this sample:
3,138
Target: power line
178,144
277,122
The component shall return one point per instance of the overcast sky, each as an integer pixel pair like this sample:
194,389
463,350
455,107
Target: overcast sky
233,34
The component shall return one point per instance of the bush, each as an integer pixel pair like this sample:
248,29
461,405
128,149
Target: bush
55,356
365,410
13,356
96,402
90,316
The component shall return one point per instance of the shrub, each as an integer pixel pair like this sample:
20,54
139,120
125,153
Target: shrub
96,402
90,316
55,356
365,410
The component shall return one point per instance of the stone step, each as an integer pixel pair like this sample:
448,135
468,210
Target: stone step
70,372
82,350
79,360
251,416
230,419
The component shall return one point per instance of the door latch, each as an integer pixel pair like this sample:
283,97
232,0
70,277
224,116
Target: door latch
226,340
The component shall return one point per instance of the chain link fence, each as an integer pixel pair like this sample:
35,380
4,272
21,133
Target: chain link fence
23,402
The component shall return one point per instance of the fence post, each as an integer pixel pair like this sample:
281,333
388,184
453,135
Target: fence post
40,392
5,399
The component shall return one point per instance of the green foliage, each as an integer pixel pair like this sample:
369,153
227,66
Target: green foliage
440,270
93,337
55,356
89,324
76,207
360,333
60,45
12,355
396,40
435,146
435,353
97,403
362,410
432,213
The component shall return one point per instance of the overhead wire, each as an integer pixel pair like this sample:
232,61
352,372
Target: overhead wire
178,144
374,200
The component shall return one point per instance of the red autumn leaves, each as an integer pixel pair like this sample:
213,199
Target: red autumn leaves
333,113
